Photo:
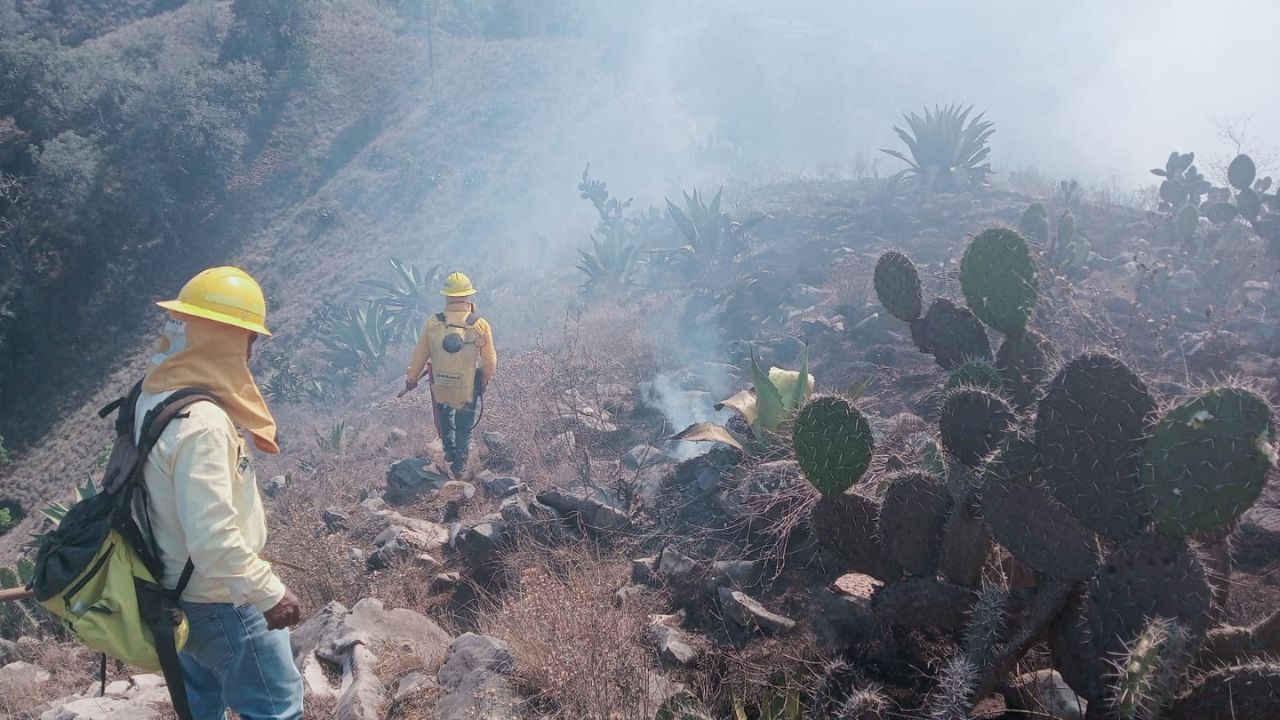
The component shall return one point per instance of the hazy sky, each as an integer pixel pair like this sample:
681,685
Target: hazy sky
1099,89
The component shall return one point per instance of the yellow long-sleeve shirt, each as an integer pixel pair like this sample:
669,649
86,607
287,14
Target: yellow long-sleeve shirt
422,351
205,505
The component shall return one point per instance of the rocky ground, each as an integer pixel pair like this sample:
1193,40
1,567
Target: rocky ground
589,568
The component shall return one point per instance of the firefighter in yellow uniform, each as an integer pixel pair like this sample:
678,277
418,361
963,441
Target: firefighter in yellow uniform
456,350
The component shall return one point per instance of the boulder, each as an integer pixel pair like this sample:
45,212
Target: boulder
481,547
474,679
497,487
410,685
842,614
395,436
668,639
642,456
735,573
445,582
676,567
410,479
335,520
397,544
23,674
275,485
502,453
748,613
1044,691
594,508
644,570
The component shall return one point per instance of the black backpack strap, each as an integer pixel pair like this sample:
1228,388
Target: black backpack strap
159,417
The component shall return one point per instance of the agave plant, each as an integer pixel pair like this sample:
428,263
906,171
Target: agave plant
357,337
764,407
339,438
407,299
610,264
55,510
710,236
948,150
289,383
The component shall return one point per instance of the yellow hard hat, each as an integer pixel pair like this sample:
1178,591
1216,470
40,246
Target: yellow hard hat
458,285
223,294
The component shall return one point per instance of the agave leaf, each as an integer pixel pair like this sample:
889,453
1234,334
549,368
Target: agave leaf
742,402
709,432
769,405
799,394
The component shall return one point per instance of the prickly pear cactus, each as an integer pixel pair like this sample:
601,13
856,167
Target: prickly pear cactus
1034,224
1024,362
898,286
952,334
1242,172
912,516
1030,524
1148,673
845,525
1152,575
998,279
973,422
1207,460
1251,690
1090,429
923,602
965,547
1186,222
1249,203
976,373
833,444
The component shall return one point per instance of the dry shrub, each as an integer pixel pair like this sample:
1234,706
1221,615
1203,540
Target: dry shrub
579,654
72,668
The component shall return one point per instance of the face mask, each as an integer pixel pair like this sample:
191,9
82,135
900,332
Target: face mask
173,342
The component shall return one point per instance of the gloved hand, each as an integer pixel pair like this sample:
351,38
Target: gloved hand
410,385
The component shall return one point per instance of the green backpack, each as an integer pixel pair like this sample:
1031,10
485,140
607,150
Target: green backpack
97,570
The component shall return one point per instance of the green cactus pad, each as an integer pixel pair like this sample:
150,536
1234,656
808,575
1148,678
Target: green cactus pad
1251,690
1222,213
1186,222
972,423
1070,641
976,373
1034,224
1024,361
1090,428
952,334
898,286
833,444
1242,172
998,279
845,525
1250,205
911,521
923,602
1149,576
1149,672
965,546
1207,460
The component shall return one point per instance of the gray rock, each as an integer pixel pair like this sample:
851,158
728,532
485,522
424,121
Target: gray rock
335,520
502,453
562,446
23,674
445,582
842,615
396,544
625,594
395,436
644,570
481,547
1045,691
593,508
410,685
410,479
748,613
459,491
499,486
676,567
667,638
104,708
735,573
1184,281
9,651
275,486
474,678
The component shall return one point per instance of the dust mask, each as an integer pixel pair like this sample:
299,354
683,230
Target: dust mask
172,342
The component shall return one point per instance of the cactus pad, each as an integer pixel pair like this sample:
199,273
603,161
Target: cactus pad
965,546
911,520
923,602
976,373
1150,576
898,286
845,526
1024,362
1186,222
952,334
833,444
1241,172
1074,655
998,279
1148,673
1090,429
973,422
1034,224
1036,529
1207,460
1232,693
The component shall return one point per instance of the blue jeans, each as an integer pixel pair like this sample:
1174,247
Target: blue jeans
232,660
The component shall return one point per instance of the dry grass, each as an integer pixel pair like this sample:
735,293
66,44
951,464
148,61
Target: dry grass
73,669
578,653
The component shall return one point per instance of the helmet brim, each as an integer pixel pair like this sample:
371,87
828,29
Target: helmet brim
206,314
